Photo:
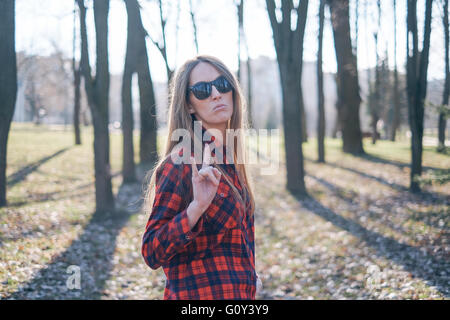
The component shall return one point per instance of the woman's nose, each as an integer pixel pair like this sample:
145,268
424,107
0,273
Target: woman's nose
214,92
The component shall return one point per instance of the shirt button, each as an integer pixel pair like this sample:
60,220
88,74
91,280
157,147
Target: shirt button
221,194
188,237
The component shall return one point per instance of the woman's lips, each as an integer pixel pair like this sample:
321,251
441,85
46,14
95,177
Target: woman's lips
219,107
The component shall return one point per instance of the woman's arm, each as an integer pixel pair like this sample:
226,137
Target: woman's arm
169,228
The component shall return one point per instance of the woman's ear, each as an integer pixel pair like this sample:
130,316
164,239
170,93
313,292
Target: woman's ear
191,109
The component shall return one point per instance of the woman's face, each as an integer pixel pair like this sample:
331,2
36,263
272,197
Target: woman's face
216,110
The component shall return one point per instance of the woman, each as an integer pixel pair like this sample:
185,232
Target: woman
201,224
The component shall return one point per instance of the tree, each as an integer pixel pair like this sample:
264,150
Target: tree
376,96
242,38
97,91
163,47
347,74
396,112
194,24
289,49
8,84
417,68
128,164
320,94
442,118
136,61
76,85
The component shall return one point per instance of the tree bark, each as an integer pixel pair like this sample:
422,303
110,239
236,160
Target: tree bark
97,92
240,12
128,164
76,85
396,119
137,61
289,49
243,38
194,25
320,97
417,68
249,88
348,90
8,85
149,127
442,122
377,105
76,109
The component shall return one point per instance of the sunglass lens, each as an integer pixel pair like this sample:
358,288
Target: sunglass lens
223,85
202,90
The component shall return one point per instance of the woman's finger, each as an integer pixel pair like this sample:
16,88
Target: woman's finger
208,173
217,173
206,156
194,168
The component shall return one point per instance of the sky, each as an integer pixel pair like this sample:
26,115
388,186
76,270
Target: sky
43,26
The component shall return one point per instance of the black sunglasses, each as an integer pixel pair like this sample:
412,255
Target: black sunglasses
202,90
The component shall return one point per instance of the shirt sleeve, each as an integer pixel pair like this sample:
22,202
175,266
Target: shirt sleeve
167,231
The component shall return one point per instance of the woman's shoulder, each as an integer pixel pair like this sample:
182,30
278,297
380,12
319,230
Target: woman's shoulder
173,165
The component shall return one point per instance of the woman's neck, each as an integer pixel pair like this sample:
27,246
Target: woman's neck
221,139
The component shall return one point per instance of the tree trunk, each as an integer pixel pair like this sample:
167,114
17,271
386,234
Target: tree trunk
97,92
8,85
242,37
292,129
194,25
377,105
348,78
417,67
396,119
320,97
76,109
303,117
249,88
149,127
240,12
442,118
128,164
137,61
76,84
289,49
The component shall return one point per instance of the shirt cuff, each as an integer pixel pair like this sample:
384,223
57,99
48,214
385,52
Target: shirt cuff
186,234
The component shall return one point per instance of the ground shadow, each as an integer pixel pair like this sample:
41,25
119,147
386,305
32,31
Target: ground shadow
422,195
25,171
31,232
398,164
57,195
92,253
416,260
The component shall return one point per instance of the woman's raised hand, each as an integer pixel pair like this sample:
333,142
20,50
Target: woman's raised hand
204,181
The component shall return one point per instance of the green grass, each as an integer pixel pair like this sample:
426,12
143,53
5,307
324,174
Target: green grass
50,206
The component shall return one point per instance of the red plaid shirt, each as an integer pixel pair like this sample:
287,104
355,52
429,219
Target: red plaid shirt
214,260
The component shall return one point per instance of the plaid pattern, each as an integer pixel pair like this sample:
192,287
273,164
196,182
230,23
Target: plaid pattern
214,260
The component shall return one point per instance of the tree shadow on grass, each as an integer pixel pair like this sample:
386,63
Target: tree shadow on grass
57,195
432,269
92,252
423,195
398,164
30,231
25,171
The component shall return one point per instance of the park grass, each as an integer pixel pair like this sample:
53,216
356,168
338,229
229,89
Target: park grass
360,234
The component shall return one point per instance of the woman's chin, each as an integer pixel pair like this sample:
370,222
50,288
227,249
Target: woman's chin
220,116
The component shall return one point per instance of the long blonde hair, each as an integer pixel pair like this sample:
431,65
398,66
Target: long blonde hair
179,117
